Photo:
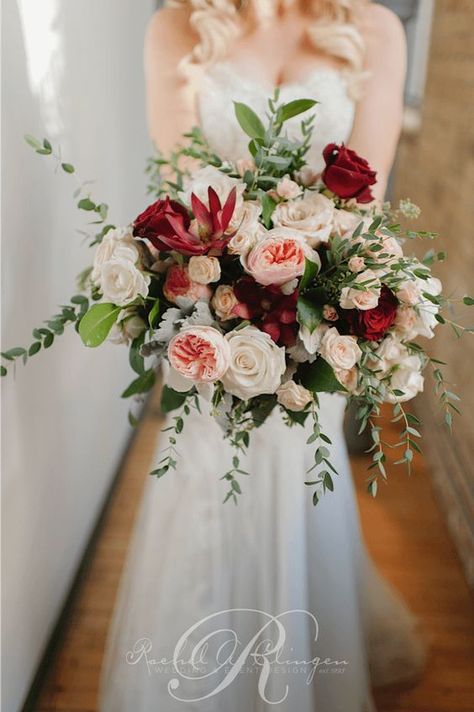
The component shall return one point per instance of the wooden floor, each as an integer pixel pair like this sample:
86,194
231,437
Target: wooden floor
405,534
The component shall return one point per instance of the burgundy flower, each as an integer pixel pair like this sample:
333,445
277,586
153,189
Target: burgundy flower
268,308
154,225
167,224
373,324
347,174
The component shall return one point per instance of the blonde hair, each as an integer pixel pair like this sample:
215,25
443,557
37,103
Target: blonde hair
333,31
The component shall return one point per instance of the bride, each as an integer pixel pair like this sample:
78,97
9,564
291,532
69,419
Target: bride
272,603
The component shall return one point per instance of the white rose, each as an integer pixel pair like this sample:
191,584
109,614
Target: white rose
341,352
406,322
293,396
409,293
223,302
407,378
312,339
287,188
389,353
203,269
256,364
364,298
427,310
121,282
119,243
248,229
347,377
246,217
209,176
344,223
311,216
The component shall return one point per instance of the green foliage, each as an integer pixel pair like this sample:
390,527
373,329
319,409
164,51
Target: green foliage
95,326
319,377
171,399
248,120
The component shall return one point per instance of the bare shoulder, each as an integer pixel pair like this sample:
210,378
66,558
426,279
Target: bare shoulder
169,28
384,34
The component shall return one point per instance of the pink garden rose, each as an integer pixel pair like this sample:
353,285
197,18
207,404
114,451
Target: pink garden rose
278,257
179,284
199,353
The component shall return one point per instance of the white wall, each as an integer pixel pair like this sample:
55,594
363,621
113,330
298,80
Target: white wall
64,425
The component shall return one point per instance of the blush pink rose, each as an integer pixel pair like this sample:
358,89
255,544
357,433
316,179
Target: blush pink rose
200,353
179,284
278,257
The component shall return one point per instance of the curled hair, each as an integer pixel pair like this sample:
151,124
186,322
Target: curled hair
333,30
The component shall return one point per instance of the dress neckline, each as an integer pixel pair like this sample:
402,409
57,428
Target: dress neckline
268,87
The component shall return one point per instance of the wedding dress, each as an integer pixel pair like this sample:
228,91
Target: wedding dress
273,554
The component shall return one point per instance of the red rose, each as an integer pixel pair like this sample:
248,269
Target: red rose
347,174
155,223
373,324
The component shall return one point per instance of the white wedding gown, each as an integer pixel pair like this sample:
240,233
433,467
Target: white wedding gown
192,556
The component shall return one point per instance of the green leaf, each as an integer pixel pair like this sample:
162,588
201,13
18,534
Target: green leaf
319,377
34,348
142,384
14,353
294,108
86,204
3,371
67,167
308,313
311,269
248,120
136,360
96,324
268,206
171,399
155,311
32,141
468,301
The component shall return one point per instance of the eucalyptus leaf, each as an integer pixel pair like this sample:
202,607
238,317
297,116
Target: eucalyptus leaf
294,108
248,120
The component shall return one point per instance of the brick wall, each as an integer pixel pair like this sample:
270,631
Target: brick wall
435,169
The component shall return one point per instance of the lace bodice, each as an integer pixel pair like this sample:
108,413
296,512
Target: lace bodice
222,84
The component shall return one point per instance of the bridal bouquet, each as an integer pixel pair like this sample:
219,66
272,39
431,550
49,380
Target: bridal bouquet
262,284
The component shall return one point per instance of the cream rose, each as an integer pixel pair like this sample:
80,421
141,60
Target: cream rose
204,270
409,293
347,377
256,363
293,396
344,223
248,230
366,297
408,379
200,353
121,282
117,243
288,189
224,301
341,352
311,216
312,339
356,263
209,176
278,257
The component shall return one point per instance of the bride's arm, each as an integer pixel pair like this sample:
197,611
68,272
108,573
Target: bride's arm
379,113
170,100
